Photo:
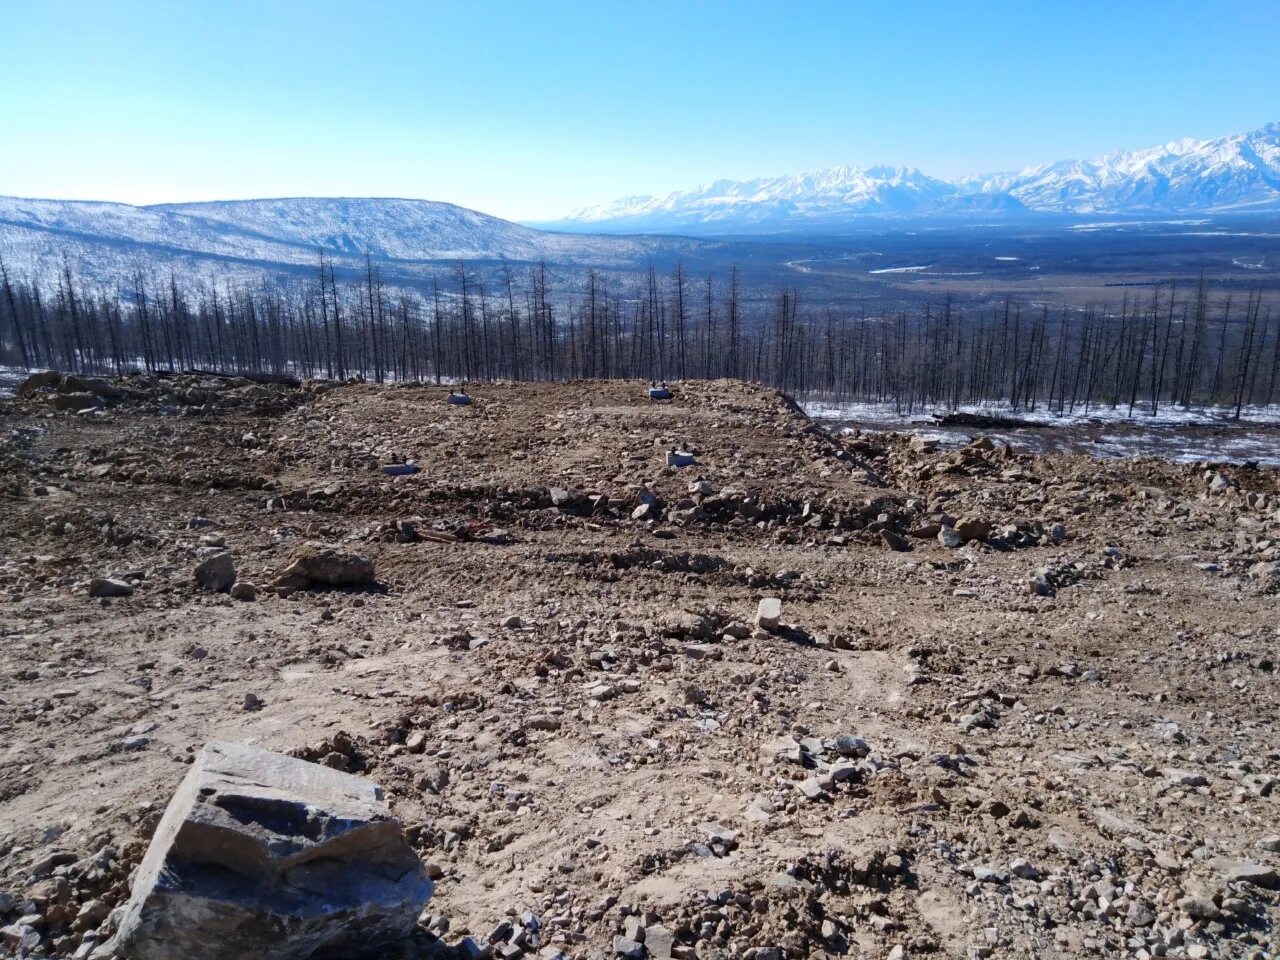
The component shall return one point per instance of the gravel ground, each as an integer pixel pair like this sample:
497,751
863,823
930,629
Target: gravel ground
1013,705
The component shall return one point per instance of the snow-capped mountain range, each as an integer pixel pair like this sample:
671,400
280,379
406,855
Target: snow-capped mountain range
1233,174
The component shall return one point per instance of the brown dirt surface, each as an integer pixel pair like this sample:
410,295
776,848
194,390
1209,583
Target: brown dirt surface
1056,739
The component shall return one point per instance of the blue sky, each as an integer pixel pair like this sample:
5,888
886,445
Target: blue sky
528,110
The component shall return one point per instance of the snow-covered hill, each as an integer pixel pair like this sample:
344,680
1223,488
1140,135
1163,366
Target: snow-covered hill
403,230
105,242
1229,174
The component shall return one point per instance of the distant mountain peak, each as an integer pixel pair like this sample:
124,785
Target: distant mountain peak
1240,172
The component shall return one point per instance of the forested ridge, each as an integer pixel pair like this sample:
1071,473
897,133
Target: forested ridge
1167,345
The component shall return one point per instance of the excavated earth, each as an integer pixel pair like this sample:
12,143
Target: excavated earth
1014,706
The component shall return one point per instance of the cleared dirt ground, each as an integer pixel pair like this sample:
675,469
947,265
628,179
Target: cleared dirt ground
1056,739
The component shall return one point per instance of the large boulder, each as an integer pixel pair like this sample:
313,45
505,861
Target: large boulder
266,856
330,566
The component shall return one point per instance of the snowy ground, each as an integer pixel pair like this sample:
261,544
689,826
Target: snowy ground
1204,434
10,378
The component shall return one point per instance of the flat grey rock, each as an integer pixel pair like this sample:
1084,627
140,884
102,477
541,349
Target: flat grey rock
1259,874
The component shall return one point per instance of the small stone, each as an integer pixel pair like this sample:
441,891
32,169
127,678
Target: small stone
633,929
971,528
811,789
628,948
91,914
847,745
21,937
1218,481
845,771
988,875
1186,778
109,587
43,867
680,458
1024,870
252,702
216,573
1271,844
895,541
1140,915
659,941
241,590
769,613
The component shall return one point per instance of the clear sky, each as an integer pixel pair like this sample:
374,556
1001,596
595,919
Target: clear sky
529,110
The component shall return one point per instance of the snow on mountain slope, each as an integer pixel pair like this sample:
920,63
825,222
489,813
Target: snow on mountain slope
402,230
107,240
122,223
1230,173
1235,173
841,191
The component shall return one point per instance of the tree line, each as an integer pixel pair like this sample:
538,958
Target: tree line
1173,347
